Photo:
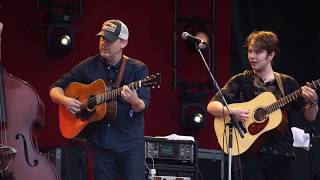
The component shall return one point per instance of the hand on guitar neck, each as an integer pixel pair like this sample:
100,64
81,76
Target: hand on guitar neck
308,93
131,96
311,97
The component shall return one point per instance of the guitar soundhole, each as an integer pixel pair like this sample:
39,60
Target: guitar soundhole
91,104
260,114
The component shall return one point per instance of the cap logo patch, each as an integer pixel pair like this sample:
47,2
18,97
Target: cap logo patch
109,27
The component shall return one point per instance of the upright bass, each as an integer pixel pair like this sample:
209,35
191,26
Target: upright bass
21,110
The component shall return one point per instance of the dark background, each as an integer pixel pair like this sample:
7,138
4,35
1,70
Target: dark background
151,25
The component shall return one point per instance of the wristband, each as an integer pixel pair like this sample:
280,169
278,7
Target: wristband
313,103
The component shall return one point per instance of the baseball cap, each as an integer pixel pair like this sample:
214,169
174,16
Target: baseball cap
113,30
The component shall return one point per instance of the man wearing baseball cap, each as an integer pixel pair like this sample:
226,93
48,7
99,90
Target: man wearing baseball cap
117,141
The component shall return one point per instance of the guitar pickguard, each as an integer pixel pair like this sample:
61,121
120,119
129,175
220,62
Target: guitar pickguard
254,128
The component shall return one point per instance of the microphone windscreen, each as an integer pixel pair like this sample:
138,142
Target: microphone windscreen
184,35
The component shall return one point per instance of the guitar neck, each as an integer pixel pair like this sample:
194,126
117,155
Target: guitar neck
284,101
115,93
291,97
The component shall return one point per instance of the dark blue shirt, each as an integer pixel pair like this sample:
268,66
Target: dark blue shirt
128,125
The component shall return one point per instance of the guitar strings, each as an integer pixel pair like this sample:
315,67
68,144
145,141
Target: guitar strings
94,100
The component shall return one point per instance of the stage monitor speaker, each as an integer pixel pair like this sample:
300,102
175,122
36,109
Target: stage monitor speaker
211,164
70,162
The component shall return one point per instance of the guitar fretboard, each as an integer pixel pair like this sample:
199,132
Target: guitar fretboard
289,98
113,94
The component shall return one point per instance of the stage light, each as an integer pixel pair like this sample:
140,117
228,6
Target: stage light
197,118
59,38
65,40
193,113
59,29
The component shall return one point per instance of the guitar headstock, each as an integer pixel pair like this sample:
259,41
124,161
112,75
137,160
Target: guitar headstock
152,81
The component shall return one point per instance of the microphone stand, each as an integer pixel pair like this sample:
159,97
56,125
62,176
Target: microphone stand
233,121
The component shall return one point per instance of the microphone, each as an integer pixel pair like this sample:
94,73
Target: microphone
198,42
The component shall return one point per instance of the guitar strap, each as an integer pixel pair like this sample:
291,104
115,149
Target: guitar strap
279,82
247,88
120,75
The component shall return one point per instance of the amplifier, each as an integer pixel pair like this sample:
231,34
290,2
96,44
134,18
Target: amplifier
175,151
168,178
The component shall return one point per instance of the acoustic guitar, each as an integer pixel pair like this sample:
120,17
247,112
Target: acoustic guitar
95,98
265,115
